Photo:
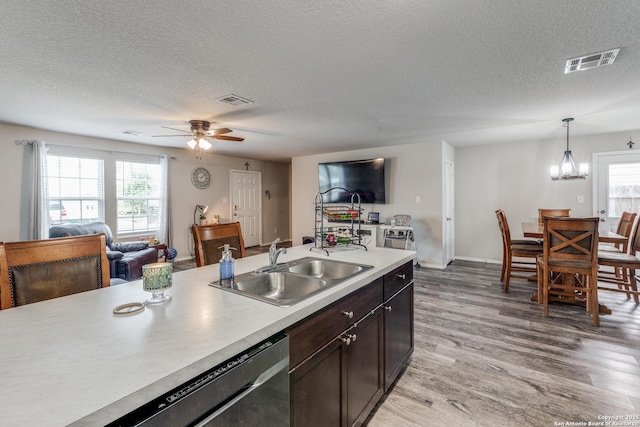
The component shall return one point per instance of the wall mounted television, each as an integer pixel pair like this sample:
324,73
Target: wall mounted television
365,177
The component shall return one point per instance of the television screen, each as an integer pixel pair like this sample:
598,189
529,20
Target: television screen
365,177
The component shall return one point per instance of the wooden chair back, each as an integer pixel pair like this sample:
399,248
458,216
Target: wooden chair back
516,254
562,213
571,239
627,220
504,232
38,270
570,247
208,239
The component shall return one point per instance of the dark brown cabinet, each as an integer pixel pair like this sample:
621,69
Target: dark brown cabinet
365,380
344,357
318,388
398,322
340,384
398,334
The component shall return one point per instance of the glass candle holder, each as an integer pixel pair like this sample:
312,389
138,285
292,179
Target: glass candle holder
156,278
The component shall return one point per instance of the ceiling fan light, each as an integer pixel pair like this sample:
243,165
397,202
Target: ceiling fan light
192,144
204,144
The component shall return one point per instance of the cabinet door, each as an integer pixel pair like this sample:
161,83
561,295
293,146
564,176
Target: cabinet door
318,388
365,371
398,334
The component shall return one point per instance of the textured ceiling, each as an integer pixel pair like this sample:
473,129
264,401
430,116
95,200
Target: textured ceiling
324,75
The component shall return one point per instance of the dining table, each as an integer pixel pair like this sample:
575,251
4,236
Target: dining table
536,230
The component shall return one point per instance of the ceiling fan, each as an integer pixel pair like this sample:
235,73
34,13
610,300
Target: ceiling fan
200,131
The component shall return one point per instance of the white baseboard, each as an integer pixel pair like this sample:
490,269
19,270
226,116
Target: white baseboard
488,261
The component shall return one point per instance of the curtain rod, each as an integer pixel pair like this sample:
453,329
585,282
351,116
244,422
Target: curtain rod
31,141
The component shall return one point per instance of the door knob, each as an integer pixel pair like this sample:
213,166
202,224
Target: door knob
603,211
349,314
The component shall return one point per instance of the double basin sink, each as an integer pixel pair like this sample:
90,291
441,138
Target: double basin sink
290,283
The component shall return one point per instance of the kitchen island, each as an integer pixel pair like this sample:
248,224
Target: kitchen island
72,361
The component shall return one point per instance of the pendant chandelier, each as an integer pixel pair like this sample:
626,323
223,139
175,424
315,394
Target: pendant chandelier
567,169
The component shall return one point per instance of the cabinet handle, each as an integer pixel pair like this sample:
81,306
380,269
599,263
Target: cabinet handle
388,308
348,339
402,276
349,314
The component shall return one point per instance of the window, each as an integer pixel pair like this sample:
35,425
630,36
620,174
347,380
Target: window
75,189
624,188
138,193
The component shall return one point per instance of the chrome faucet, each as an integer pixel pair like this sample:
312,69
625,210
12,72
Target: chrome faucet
274,252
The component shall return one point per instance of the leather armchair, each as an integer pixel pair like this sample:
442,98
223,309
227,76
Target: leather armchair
125,259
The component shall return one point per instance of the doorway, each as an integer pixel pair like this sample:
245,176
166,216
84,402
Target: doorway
448,224
616,186
245,205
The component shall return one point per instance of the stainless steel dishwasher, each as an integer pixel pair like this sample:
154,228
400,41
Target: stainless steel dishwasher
249,389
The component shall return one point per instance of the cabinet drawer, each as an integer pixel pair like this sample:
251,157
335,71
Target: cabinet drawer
310,334
397,279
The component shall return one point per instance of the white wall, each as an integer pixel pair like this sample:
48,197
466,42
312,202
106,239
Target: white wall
184,196
415,171
515,177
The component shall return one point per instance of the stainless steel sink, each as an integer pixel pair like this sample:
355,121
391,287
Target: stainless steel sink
330,270
305,277
281,288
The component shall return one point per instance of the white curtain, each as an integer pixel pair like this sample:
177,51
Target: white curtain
39,206
164,233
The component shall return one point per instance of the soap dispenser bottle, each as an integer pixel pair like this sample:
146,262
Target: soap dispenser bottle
226,266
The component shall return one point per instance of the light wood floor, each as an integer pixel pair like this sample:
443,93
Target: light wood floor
486,358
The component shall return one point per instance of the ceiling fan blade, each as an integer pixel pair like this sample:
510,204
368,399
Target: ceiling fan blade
228,138
179,130
219,131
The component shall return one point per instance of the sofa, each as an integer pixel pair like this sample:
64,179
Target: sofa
125,259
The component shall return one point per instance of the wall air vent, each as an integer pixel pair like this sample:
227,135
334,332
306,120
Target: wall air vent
235,100
591,61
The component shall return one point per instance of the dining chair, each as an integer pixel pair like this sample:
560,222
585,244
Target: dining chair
625,227
626,264
209,239
542,213
38,270
570,263
515,253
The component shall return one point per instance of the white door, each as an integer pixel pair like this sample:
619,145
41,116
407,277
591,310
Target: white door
616,186
448,226
245,205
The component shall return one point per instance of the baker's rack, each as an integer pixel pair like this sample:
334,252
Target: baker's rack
350,213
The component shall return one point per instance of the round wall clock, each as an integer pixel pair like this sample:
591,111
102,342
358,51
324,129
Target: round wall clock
201,177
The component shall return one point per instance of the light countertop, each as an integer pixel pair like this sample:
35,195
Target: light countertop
71,360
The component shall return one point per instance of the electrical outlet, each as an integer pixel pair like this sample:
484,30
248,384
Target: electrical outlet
418,199
275,231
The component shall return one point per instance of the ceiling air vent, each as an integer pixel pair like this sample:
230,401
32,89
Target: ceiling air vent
591,61
235,100
131,132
